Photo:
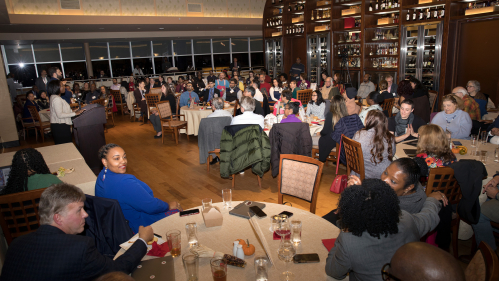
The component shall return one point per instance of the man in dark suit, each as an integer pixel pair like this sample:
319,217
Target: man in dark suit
235,66
55,252
56,74
210,92
392,87
250,92
41,82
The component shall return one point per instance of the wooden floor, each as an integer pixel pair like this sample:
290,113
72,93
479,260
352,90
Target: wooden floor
173,171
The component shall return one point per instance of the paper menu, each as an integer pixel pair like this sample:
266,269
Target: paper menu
261,237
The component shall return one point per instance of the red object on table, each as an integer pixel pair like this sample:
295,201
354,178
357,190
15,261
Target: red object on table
278,237
159,250
329,243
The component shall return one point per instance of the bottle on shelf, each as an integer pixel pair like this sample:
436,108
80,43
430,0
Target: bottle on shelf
370,7
377,5
441,12
428,14
414,15
420,14
383,4
312,18
273,1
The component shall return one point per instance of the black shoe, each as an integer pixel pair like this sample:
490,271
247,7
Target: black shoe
215,160
158,137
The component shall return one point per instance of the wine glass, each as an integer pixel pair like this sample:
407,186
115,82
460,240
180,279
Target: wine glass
286,252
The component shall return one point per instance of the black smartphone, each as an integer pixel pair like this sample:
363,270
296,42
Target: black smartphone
189,212
457,143
258,212
289,214
306,258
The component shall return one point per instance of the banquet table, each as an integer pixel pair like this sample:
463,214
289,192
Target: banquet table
44,115
221,239
465,230
314,129
194,115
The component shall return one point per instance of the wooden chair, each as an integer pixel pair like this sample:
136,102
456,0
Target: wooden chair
28,126
209,159
41,126
433,99
442,179
170,122
151,101
332,156
484,265
236,104
387,106
136,111
109,109
354,157
118,100
19,213
299,176
304,96
74,106
99,101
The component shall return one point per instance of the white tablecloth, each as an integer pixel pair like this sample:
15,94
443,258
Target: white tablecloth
490,116
314,129
194,115
221,239
44,115
465,230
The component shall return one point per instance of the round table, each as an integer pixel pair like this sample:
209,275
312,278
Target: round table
221,239
465,230
44,115
194,115
314,129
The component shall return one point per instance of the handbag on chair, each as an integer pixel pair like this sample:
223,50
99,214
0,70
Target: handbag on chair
340,181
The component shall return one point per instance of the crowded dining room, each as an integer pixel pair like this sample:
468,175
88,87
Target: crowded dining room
249,140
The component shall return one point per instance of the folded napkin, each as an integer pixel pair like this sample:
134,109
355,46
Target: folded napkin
266,129
329,243
159,250
278,237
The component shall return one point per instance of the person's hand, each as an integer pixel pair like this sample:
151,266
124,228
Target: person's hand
495,131
440,196
353,180
78,112
412,133
487,121
143,98
492,183
146,233
491,191
175,205
64,82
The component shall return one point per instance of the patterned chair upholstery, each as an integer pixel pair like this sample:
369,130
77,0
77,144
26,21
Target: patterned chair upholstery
169,122
299,176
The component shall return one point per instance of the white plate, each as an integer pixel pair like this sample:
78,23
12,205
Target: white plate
129,243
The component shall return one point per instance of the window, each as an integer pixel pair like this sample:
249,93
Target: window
98,51
100,65
119,50
158,63
18,54
239,45
75,70
222,60
162,48
121,67
256,45
221,46
202,46
141,49
145,64
257,60
203,62
182,47
183,62
72,52
46,66
47,52
25,74
242,59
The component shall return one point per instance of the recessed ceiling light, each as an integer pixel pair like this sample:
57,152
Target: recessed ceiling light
138,27
161,28
101,27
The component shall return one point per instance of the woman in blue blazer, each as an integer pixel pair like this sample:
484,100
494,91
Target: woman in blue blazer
136,198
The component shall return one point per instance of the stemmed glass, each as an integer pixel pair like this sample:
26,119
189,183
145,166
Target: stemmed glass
286,250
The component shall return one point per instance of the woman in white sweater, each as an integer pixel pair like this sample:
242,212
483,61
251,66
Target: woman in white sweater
60,113
275,90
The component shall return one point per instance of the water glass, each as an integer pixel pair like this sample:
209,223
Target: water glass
496,155
174,242
286,252
473,140
261,268
191,229
191,266
483,137
218,269
296,232
483,157
274,221
207,203
227,198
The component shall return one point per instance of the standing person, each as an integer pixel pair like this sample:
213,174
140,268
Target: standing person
235,66
61,113
42,81
275,90
405,125
303,83
137,71
140,98
211,76
186,96
222,84
392,87
296,69
366,87
56,74
264,84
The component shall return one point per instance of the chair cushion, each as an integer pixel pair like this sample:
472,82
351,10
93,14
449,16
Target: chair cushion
174,123
298,179
476,269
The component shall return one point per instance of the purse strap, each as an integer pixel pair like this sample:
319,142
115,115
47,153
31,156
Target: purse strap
338,153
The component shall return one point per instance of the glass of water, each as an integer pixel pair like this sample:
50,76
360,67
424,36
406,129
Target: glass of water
227,198
296,232
191,230
483,157
207,203
496,155
473,140
261,268
483,137
286,252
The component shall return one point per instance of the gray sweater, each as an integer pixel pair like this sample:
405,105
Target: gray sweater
363,257
372,171
413,203
209,135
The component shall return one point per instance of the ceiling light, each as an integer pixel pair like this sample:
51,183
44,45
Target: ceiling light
101,27
138,27
21,65
161,28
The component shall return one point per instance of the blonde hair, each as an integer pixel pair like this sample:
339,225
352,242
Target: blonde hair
455,100
433,140
338,108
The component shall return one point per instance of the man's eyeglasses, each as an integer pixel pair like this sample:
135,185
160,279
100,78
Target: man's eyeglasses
385,275
470,86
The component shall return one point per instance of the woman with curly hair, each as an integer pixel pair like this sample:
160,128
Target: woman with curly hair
434,147
29,172
373,227
378,144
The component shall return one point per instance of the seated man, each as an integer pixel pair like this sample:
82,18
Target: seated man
290,111
218,109
405,124
55,252
233,92
421,261
247,116
92,95
489,212
251,92
186,96
286,97
326,90
470,105
210,91
365,87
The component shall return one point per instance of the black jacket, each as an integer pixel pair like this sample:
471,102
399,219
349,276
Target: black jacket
206,94
50,254
469,174
289,138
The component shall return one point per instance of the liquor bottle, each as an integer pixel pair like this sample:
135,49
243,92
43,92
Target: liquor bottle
414,15
296,7
312,15
442,12
273,1
434,13
389,4
377,5
383,4
395,4
302,7
428,14
289,8
370,7
408,16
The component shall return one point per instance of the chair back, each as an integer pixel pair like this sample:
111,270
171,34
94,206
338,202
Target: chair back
354,157
34,113
164,109
152,99
156,91
19,213
387,106
442,179
433,99
236,104
99,101
117,96
304,96
484,265
299,176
